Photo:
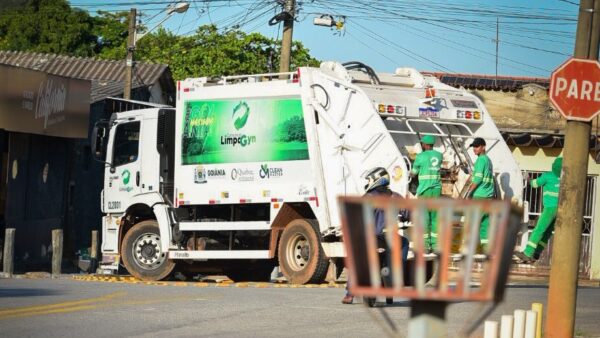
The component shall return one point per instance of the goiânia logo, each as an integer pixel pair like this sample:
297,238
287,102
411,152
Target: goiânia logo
241,120
126,175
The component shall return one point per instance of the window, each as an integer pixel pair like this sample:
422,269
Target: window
126,144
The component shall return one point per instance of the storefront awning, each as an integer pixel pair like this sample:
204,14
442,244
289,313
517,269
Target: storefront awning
39,103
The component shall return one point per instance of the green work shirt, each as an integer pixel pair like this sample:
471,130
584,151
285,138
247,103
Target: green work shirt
550,184
483,176
427,167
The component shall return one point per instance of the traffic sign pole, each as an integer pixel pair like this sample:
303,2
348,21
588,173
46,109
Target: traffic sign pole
562,294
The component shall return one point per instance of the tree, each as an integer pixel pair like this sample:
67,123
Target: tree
52,26
110,30
47,26
211,53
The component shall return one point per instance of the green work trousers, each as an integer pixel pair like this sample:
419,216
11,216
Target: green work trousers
430,231
541,233
483,230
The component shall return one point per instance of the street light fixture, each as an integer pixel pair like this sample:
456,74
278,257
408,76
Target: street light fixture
180,7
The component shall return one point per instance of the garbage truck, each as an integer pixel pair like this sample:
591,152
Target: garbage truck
243,175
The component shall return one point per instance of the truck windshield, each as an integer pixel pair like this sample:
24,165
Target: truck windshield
126,143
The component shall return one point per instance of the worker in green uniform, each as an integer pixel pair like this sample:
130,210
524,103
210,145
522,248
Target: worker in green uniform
482,185
427,168
550,184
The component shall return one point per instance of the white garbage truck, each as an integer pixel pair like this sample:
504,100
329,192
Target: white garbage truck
243,174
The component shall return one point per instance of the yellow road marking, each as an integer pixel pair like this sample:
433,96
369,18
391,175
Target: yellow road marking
46,312
70,306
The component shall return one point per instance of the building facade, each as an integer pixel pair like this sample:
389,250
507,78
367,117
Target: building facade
48,177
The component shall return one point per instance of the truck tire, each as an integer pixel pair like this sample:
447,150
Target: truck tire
301,257
142,255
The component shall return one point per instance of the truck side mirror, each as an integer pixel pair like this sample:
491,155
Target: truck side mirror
99,139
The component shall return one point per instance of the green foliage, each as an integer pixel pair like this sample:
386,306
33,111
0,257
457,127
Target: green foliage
47,26
52,26
292,130
111,31
211,53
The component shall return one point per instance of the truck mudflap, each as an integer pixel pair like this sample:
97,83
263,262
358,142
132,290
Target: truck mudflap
334,249
165,220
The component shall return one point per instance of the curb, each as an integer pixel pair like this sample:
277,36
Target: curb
202,284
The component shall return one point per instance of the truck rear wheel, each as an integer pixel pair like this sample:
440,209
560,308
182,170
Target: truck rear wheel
142,255
301,258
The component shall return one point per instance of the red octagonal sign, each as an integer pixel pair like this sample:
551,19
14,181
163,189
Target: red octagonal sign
575,89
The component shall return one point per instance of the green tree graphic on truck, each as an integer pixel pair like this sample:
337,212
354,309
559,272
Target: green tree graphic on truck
234,131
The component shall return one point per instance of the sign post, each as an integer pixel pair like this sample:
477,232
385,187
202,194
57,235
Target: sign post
575,92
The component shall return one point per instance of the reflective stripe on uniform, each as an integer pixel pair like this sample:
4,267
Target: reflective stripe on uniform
429,177
550,193
484,241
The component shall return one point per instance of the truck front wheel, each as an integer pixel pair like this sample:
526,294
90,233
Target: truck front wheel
142,255
301,258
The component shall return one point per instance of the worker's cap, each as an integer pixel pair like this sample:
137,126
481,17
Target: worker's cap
428,139
478,141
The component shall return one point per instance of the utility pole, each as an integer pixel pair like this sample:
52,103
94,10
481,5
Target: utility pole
497,43
562,293
130,49
286,40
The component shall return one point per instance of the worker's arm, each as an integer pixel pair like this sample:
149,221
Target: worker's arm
471,190
538,182
414,172
477,177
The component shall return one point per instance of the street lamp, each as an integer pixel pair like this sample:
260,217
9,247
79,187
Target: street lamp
133,38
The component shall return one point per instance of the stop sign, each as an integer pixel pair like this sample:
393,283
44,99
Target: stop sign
575,89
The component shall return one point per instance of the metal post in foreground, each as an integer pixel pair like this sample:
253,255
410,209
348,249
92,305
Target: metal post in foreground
9,252
562,293
427,319
57,251
94,252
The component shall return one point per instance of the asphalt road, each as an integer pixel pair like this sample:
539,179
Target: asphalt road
70,308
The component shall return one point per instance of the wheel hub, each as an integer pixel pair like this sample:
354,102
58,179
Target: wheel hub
299,252
147,253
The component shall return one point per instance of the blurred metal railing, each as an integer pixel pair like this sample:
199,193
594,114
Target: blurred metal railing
459,254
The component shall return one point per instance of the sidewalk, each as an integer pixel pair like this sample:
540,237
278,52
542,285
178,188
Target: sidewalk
533,275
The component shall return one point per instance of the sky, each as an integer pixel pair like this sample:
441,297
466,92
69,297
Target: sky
535,36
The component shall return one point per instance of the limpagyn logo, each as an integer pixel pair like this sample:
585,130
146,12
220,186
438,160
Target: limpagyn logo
243,175
243,111
125,178
266,172
240,115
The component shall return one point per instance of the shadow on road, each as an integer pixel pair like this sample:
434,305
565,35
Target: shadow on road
27,292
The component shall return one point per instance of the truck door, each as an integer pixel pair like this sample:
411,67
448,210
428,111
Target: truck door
122,177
